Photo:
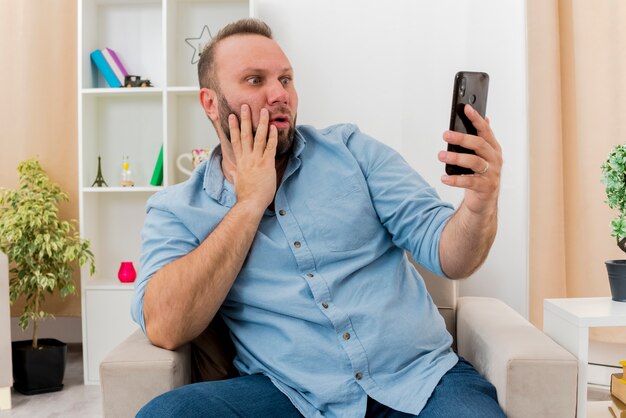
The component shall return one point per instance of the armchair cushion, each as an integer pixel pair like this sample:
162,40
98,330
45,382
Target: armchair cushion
212,353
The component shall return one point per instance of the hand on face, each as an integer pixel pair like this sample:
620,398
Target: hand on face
254,172
481,188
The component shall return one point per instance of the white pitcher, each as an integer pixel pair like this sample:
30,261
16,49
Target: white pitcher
194,158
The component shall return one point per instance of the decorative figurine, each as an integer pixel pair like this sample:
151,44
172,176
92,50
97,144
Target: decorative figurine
99,181
136,81
199,43
127,175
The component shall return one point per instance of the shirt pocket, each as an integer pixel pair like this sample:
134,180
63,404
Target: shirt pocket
343,215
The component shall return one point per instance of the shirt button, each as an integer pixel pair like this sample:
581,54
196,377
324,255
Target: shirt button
297,244
282,212
309,275
346,335
325,305
358,376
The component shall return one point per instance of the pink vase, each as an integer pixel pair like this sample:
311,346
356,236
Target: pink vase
127,273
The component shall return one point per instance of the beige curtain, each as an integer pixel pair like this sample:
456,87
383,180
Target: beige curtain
577,112
38,104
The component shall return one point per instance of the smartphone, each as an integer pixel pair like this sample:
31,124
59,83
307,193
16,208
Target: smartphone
469,88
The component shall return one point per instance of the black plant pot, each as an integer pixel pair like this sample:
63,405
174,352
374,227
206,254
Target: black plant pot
38,370
617,279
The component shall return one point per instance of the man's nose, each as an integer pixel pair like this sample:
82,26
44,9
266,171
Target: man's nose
277,93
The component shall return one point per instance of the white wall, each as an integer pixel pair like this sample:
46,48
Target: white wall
388,66
64,328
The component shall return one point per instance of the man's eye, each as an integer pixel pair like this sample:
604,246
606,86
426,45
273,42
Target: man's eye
254,80
285,80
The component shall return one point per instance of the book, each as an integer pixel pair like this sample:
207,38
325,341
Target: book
115,64
617,408
157,174
618,386
105,69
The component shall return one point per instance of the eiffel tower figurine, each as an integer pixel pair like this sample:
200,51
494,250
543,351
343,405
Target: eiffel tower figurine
99,181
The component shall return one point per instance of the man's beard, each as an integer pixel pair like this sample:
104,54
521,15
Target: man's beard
285,137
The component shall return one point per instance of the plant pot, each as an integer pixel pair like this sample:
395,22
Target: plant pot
617,279
38,370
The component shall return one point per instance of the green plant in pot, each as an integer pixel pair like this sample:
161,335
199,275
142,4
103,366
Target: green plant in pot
42,251
614,180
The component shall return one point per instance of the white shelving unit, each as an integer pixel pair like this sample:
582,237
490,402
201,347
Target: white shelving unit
150,37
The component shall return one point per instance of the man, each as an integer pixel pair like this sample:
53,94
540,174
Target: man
297,238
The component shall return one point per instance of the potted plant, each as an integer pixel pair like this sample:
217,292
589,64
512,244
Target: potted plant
42,250
614,179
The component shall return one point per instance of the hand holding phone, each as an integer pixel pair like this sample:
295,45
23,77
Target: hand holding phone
469,88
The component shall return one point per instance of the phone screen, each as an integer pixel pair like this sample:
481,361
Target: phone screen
469,88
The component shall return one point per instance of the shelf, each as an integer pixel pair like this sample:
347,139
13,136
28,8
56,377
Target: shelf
122,2
145,189
108,284
189,128
133,29
156,40
184,89
118,125
112,222
186,33
135,91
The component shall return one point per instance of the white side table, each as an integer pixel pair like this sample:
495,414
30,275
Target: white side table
567,321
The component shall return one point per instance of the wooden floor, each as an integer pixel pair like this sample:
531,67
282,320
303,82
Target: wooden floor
74,401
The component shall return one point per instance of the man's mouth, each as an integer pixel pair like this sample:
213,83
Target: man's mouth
281,122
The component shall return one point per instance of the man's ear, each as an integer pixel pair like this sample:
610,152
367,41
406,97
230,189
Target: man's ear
209,102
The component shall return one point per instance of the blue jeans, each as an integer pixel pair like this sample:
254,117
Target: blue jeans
462,392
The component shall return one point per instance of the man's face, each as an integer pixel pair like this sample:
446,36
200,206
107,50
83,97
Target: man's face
253,70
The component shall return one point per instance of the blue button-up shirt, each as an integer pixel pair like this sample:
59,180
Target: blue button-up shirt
327,305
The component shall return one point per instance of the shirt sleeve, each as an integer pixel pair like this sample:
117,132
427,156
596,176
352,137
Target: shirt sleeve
164,239
408,207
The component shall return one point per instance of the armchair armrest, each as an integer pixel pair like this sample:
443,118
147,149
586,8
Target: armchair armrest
534,376
136,371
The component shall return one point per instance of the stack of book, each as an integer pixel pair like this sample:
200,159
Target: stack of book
110,66
618,393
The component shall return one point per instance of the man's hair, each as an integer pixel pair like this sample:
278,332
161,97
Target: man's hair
206,65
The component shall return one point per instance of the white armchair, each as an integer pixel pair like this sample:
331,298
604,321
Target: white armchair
533,375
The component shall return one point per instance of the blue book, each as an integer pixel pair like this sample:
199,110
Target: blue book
105,70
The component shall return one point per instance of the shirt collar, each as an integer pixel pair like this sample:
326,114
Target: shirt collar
214,183
299,144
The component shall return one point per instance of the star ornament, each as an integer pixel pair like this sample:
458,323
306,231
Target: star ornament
198,43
